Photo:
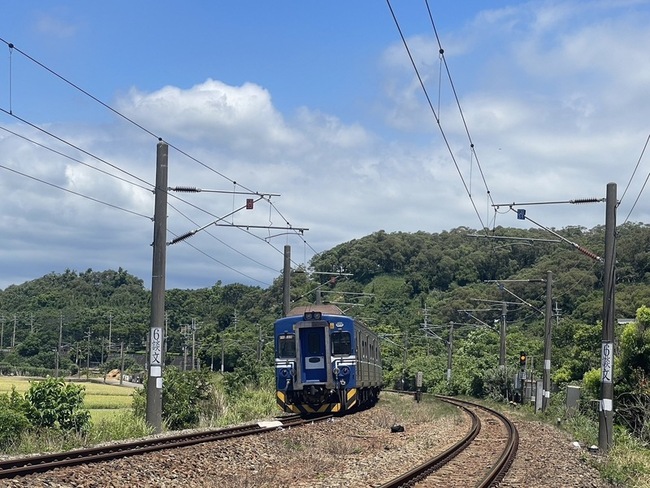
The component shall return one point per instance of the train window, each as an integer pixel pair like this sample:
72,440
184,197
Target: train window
341,343
313,343
286,346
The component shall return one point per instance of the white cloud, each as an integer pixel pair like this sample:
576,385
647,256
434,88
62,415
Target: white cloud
555,99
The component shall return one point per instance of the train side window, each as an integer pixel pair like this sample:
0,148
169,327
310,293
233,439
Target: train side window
341,343
286,346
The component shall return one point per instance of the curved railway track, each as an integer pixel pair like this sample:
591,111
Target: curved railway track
40,463
480,459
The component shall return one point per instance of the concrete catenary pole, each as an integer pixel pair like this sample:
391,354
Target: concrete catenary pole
286,281
502,336
156,335
606,410
450,345
548,324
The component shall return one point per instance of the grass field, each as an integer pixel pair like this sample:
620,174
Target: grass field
101,399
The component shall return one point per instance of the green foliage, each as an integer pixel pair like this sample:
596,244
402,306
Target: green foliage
124,425
13,421
186,396
12,425
249,375
54,403
591,385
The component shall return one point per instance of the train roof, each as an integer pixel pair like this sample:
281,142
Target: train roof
327,309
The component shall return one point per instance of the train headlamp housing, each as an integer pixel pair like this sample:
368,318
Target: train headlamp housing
312,316
345,370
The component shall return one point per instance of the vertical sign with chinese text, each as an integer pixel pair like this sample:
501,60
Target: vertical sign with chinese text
155,359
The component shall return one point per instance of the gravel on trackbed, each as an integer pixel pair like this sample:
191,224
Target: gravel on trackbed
353,451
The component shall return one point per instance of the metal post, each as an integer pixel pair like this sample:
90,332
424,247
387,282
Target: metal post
548,324
605,414
157,332
286,282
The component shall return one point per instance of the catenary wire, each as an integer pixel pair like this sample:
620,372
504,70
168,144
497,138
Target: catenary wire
59,153
460,109
435,115
128,119
75,193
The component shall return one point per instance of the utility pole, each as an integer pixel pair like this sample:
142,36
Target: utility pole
286,284
502,336
157,331
193,345
88,357
121,362
223,353
58,349
605,413
406,346
548,324
13,337
2,334
110,334
184,334
450,343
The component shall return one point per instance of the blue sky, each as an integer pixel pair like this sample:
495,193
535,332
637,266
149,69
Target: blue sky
317,102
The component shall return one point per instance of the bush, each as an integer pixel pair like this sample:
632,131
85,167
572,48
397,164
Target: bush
12,418
54,403
185,397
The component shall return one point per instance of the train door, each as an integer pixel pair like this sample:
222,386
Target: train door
313,354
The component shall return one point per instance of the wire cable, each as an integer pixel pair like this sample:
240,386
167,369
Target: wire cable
435,115
76,193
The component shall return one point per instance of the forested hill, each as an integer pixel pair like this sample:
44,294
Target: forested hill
441,264
394,281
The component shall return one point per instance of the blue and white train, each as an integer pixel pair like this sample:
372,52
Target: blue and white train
325,361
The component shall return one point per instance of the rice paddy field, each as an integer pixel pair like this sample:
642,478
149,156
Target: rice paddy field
103,400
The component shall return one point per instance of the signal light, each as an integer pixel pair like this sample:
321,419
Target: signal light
249,203
522,358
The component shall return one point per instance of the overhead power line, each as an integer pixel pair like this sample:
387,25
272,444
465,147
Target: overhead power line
10,112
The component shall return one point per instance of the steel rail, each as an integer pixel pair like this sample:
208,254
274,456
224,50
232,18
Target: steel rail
496,472
423,470
33,464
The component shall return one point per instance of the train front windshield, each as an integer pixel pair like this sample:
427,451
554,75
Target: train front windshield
287,346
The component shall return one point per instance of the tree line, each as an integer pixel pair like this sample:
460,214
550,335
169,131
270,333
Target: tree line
399,283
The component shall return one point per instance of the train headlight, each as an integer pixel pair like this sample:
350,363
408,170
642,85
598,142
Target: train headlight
345,370
284,372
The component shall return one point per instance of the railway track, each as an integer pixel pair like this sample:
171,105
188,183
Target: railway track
41,463
472,463
480,459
